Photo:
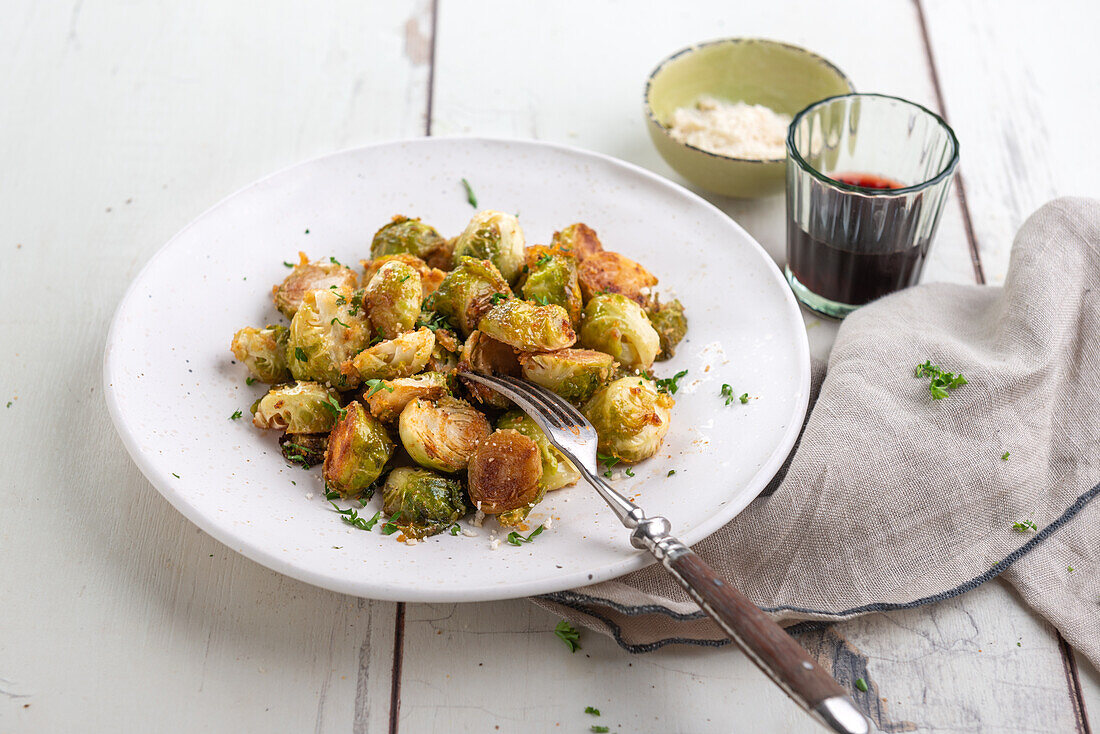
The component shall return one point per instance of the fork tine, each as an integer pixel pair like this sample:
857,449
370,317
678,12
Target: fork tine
558,406
532,403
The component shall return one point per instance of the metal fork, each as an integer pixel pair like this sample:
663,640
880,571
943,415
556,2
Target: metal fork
773,650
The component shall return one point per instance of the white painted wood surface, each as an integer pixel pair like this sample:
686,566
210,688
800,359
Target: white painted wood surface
123,122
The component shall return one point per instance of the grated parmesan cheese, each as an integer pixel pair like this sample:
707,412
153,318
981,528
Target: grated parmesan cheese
737,130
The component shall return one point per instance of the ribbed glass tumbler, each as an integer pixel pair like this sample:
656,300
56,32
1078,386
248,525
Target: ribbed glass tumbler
867,178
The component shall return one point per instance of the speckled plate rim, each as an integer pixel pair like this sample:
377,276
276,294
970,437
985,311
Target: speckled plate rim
265,556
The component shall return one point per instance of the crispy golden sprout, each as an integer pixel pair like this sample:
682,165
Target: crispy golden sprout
631,417
577,240
529,327
403,235
393,299
358,449
403,356
389,397
430,277
306,277
505,473
442,435
572,373
300,407
487,356
263,352
610,272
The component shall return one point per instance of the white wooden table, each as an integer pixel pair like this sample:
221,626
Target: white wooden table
121,121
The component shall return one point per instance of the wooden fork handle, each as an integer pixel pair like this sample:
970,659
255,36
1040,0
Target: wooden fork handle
766,643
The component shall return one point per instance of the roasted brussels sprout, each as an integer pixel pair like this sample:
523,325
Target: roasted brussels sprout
411,236
553,279
323,335
307,449
420,502
614,324
577,240
393,299
302,407
572,373
610,272
430,277
496,237
529,327
505,475
263,352
443,434
631,418
307,277
487,356
401,357
388,398
468,292
670,323
358,449
557,471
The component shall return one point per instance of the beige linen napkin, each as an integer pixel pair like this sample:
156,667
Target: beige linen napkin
894,500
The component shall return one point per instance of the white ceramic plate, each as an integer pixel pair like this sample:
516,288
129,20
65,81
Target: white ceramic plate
171,383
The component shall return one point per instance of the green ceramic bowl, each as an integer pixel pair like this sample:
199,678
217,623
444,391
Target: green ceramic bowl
783,77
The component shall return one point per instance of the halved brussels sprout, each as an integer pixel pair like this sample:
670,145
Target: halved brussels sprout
529,327
670,323
307,449
631,418
572,373
496,237
505,475
324,333
393,299
610,272
442,435
263,352
306,277
422,503
486,356
577,240
553,279
614,324
301,407
404,235
430,277
401,357
468,292
358,449
557,471
389,397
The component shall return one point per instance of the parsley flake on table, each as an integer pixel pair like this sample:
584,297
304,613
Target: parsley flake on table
177,476
592,710
599,729
568,634
250,381
515,538
670,472
861,684
1024,526
470,197
940,382
670,384
744,398
1004,456
236,414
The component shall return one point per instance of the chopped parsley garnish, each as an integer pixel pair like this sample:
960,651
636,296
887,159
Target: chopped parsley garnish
307,231
470,197
332,495
628,472
333,405
177,476
435,321
727,393
1004,456
250,381
670,384
599,729
236,414
744,398
333,260
405,278
608,462
592,710
376,385
1069,568
300,354
336,320
516,539
1024,526
541,299
289,265
454,529
544,259
940,382
568,634
861,684
351,517
497,298
670,472
390,526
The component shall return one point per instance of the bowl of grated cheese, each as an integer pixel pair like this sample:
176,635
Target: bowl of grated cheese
718,111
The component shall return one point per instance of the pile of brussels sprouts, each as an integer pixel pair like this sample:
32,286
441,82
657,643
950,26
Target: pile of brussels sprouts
368,379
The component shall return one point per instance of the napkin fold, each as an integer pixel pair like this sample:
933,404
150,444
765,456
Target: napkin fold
892,499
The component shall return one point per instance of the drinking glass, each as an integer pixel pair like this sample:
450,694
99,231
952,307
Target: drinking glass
867,178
